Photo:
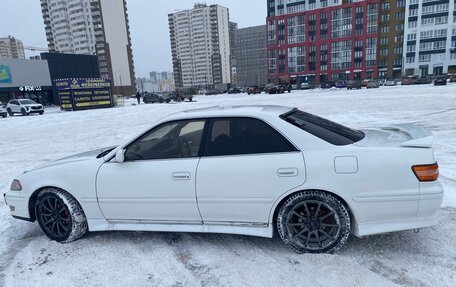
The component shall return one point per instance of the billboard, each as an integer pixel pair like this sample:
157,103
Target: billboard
80,94
5,74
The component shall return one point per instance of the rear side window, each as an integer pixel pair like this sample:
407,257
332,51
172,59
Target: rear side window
324,129
236,136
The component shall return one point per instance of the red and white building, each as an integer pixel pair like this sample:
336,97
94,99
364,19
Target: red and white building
322,40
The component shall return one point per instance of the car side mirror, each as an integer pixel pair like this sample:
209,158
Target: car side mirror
120,155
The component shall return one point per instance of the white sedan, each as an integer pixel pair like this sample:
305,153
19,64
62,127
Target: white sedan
242,170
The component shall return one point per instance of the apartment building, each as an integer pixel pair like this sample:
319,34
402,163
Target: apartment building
251,56
93,27
200,46
11,48
320,40
391,39
430,37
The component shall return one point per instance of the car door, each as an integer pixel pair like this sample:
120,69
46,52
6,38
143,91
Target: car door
156,182
246,166
15,107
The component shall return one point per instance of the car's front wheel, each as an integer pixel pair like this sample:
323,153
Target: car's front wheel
24,112
10,112
313,222
60,216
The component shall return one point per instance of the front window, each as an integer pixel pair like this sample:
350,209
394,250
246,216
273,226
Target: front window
179,139
324,129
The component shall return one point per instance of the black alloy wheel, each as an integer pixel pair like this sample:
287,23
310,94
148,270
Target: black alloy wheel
313,222
54,217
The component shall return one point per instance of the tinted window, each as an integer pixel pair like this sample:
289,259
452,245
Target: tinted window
180,139
324,129
27,102
232,136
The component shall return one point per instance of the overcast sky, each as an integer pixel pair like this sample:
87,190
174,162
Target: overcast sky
148,26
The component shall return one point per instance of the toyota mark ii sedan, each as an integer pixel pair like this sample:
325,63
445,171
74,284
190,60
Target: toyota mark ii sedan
248,170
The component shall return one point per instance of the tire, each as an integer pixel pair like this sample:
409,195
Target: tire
324,231
10,112
60,216
24,112
190,99
41,113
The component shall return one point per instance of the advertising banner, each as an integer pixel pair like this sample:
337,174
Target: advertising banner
80,94
5,74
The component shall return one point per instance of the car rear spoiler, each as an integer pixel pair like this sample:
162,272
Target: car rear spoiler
420,137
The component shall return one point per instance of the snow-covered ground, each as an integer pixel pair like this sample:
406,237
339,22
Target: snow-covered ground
28,258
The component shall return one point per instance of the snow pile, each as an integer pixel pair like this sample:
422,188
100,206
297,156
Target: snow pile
28,258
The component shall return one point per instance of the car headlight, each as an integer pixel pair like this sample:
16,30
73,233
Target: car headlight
16,185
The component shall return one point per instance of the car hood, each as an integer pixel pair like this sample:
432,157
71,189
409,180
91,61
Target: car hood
92,155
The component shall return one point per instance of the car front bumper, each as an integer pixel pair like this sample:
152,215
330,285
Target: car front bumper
18,206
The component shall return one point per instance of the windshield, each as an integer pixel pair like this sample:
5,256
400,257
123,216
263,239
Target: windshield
324,129
27,102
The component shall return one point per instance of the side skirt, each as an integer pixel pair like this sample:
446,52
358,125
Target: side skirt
261,230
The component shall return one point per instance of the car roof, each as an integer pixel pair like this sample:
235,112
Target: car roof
222,111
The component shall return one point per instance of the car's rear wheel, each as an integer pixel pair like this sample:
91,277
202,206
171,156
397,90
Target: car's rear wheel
10,112
313,222
60,216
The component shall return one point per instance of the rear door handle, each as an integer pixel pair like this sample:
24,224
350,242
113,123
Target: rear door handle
287,172
181,175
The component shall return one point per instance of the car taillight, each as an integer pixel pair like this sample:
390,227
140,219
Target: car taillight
427,172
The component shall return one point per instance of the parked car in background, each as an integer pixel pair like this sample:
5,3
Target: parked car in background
407,81
423,81
372,84
253,170
341,84
390,83
24,107
364,82
440,81
307,86
326,85
180,96
253,90
234,91
354,84
150,98
294,87
277,89
212,92
3,112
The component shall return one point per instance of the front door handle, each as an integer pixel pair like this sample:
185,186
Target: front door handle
287,172
181,175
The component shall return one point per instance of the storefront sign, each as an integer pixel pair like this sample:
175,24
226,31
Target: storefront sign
81,83
5,74
81,94
30,88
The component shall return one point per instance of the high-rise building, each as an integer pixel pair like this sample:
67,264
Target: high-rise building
251,56
153,77
319,41
233,28
430,38
11,48
200,45
93,27
391,39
